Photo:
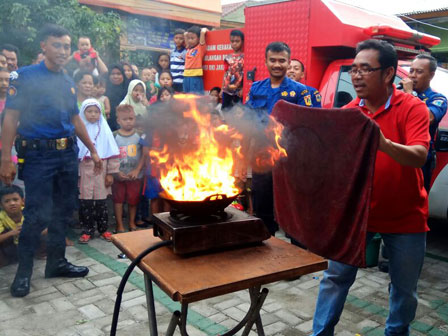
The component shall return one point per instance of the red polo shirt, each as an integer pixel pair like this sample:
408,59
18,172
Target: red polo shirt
399,202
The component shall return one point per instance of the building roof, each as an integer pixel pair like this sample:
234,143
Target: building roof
417,12
227,9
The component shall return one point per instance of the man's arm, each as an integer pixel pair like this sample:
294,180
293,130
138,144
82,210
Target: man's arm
102,68
437,106
9,129
413,156
82,134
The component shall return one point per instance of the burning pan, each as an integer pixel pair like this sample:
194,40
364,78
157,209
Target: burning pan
211,205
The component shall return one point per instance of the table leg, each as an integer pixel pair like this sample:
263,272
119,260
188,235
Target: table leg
257,299
174,322
151,308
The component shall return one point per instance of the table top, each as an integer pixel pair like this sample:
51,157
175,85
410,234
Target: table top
194,278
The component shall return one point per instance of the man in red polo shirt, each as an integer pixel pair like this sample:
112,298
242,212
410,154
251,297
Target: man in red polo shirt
399,206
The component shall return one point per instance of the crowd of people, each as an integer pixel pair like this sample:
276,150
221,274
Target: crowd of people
77,127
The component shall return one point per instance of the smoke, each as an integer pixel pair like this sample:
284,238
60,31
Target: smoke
179,126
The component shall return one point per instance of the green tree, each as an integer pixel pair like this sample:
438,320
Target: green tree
21,20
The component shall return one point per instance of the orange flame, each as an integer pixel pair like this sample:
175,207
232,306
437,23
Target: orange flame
207,165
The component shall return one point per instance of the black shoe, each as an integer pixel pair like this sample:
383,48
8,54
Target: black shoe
62,268
383,266
21,286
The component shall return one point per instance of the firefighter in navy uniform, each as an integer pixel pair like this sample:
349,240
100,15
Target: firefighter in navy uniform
421,73
41,109
263,95
296,71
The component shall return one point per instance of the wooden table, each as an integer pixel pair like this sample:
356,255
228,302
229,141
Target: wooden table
194,278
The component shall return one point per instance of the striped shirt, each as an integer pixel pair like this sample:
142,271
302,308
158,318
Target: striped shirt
177,64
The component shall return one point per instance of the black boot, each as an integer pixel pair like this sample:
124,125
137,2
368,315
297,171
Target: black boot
21,284
58,266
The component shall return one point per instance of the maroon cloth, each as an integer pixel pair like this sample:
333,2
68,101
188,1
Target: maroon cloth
322,190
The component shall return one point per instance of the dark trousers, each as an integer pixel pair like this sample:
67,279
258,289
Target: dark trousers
263,200
229,100
93,212
51,178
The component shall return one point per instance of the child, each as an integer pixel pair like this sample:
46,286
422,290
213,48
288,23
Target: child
177,60
11,220
232,83
95,187
99,90
214,95
195,41
128,182
165,94
163,63
136,98
149,78
166,80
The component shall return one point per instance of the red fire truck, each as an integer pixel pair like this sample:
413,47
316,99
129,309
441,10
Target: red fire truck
323,34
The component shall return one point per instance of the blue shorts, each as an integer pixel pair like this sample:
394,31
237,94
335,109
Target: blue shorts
194,85
152,187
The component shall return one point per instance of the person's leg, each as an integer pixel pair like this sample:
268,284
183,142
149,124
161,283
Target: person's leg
406,255
178,87
64,198
333,291
133,191
101,216
118,196
38,174
86,217
226,101
263,200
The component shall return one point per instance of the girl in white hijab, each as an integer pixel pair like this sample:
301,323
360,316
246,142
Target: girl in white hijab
136,97
94,188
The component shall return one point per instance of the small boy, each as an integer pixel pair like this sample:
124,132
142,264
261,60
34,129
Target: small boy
196,48
127,185
149,78
177,60
99,90
232,83
11,220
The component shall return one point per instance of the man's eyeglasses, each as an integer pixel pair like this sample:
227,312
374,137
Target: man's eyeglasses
363,71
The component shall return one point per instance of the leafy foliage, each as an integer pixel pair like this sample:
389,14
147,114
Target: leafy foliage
21,20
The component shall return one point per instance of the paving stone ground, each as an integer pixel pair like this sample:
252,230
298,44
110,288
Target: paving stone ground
84,307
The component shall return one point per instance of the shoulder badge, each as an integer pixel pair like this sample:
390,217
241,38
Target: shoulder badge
307,100
292,93
13,75
317,96
438,102
284,94
304,92
12,91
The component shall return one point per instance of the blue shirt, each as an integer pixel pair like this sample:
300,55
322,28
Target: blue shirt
437,104
46,101
177,64
263,96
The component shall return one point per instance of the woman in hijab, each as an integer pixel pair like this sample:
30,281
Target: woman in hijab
116,89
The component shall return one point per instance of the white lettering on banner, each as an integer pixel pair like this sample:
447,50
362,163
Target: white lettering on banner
211,47
224,47
213,58
211,67
205,67
220,67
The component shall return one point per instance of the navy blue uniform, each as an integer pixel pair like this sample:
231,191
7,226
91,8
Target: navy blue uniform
437,104
46,101
262,96
316,98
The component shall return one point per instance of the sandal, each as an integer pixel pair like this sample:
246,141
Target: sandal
107,236
84,239
118,231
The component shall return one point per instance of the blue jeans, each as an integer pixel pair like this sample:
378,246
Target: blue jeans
51,179
406,254
194,84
